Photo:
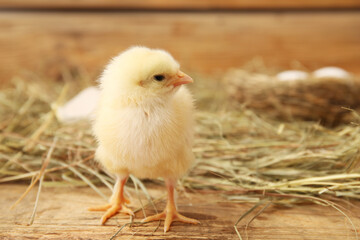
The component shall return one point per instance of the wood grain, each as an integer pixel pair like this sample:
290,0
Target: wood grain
62,214
202,42
179,4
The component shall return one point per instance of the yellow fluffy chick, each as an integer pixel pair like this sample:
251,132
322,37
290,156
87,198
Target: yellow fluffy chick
144,125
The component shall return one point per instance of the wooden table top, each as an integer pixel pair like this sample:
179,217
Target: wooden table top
62,214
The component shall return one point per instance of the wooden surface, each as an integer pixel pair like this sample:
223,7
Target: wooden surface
179,4
202,42
62,214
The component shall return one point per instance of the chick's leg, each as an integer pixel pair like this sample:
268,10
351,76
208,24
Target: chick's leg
170,214
117,202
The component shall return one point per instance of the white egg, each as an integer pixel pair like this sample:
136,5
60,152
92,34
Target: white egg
331,72
82,106
292,75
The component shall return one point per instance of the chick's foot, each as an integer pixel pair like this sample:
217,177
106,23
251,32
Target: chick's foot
112,209
107,206
170,215
117,202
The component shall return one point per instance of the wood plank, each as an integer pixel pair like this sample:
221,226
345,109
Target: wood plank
179,4
202,42
62,214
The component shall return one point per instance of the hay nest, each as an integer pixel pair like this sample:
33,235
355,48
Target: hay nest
317,99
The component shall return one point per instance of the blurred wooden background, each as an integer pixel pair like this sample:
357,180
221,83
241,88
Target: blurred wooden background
46,36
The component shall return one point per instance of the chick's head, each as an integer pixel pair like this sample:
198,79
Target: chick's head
140,72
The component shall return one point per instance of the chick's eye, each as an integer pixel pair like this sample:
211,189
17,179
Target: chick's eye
159,77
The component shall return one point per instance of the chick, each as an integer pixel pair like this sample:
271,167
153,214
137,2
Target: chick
144,126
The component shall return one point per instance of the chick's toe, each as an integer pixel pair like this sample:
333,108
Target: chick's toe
170,215
117,202
114,210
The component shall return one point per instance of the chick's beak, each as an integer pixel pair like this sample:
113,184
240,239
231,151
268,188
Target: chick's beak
180,79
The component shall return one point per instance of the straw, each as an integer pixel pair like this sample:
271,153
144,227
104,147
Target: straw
240,153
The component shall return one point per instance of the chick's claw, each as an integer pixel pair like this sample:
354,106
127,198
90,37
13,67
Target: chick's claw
169,217
111,210
114,210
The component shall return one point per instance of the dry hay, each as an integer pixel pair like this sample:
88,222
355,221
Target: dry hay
241,155
315,99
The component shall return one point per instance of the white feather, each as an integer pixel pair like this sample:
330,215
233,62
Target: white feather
82,106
